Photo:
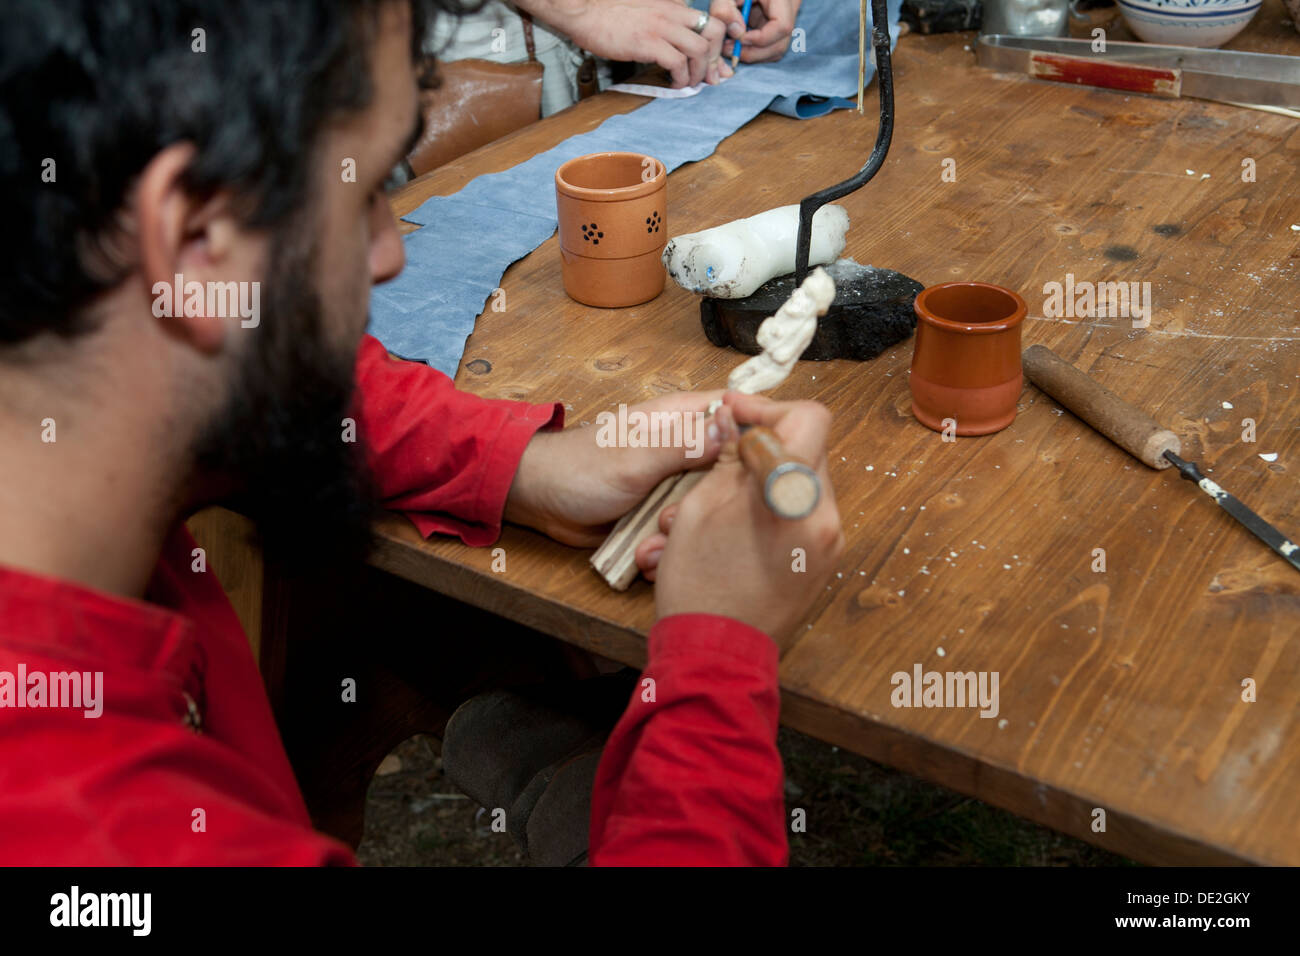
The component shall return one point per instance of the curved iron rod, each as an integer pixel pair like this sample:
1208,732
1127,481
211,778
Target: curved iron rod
809,206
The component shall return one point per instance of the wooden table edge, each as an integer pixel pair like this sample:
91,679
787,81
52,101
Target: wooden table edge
398,551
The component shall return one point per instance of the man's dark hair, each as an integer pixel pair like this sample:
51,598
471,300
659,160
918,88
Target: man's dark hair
99,87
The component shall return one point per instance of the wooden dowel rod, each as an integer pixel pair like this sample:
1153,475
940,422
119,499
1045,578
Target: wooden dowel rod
615,559
862,52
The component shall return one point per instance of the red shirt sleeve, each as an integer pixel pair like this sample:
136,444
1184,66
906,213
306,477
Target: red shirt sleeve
691,774
443,457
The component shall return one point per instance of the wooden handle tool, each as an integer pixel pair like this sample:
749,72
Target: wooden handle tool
791,488
1142,437
1136,432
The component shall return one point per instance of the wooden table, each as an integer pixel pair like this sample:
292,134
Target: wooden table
1119,690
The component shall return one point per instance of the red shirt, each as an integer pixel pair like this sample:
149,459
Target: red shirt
690,776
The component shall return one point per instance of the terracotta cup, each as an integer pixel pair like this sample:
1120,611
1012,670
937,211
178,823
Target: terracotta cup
613,210
966,360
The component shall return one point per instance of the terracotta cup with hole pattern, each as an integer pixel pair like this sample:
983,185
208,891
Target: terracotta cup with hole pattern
966,373
613,210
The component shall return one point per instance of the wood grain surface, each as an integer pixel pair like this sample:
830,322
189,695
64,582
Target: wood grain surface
1120,690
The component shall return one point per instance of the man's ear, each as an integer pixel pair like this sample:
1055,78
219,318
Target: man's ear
182,238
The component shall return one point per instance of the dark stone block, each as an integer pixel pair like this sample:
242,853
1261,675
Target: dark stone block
872,311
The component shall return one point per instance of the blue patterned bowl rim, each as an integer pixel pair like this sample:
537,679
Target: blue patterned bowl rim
1209,7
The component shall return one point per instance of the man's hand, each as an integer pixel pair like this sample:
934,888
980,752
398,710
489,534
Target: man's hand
768,38
573,485
649,31
723,552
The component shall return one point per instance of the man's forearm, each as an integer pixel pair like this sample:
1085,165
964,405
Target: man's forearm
528,502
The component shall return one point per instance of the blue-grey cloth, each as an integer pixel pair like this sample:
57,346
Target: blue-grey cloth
467,240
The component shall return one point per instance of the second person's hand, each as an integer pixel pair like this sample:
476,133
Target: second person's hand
650,31
768,38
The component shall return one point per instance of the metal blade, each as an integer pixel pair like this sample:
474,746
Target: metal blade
1257,526
1260,528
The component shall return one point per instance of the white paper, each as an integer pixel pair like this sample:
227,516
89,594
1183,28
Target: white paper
658,92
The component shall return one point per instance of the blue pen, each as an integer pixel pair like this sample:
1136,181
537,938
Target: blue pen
744,15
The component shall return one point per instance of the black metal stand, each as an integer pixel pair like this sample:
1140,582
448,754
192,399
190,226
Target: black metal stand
809,206
873,307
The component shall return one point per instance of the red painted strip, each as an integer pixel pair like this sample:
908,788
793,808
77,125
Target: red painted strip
1107,74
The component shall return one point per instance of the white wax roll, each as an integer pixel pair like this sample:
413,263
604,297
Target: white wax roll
732,260
784,336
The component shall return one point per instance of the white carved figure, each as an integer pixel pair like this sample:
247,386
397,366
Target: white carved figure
784,336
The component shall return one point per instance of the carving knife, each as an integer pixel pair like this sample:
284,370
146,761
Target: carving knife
1141,436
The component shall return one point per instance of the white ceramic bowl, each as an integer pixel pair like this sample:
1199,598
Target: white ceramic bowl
1205,23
